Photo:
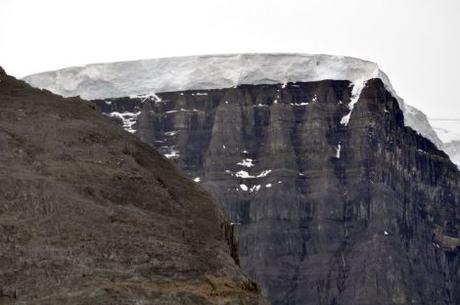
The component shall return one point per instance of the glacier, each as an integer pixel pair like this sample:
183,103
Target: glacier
150,76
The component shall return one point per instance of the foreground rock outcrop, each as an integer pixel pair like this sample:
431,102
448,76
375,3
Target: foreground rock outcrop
91,215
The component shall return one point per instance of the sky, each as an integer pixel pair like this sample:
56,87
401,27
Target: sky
416,42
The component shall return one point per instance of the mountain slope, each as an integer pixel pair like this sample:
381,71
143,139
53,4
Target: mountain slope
90,215
329,213
337,201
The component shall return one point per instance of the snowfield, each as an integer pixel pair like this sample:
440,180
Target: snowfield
145,77
448,130
139,77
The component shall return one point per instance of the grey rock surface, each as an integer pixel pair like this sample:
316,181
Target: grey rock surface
361,214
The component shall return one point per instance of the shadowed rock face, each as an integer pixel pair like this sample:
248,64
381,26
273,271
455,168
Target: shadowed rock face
361,214
91,215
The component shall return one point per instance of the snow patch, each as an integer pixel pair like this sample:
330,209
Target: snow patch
152,96
300,104
339,148
181,110
170,133
245,175
128,119
246,162
355,94
264,173
260,105
173,154
448,130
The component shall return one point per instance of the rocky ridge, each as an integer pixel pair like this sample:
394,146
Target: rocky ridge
91,215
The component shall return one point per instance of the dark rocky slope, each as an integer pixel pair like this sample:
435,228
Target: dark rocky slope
365,213
91,215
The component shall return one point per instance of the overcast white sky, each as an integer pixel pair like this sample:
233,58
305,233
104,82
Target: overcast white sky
416,42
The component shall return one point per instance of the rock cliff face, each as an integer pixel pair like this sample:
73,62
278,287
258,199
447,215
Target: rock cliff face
91,215
328,213
332,206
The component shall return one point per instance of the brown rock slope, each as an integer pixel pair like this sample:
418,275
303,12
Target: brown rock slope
90,215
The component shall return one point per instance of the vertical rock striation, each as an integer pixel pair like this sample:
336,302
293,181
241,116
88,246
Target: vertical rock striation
334,199
327,213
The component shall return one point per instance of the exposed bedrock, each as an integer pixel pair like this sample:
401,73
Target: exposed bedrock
91,215
361,214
